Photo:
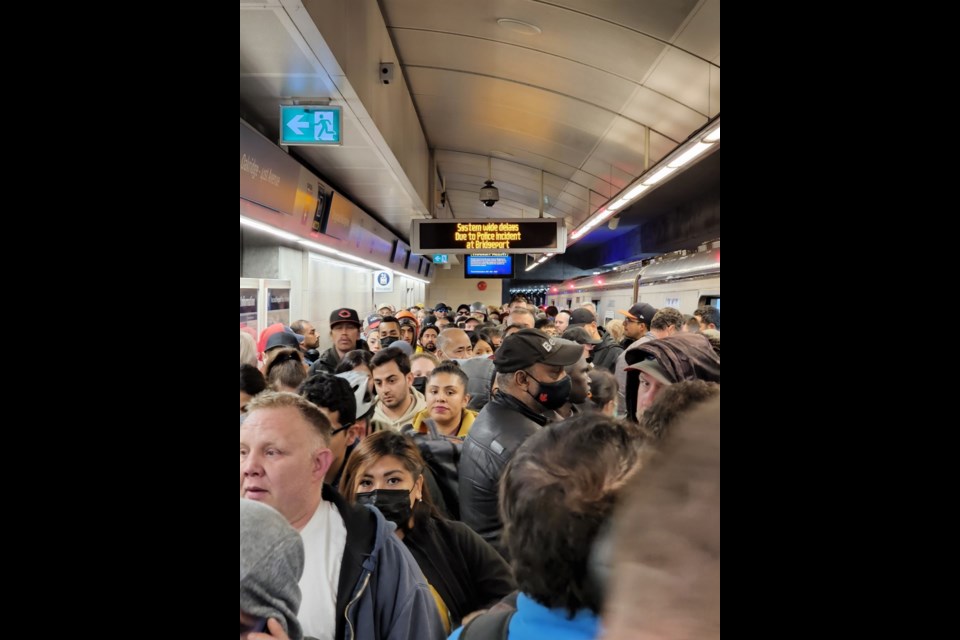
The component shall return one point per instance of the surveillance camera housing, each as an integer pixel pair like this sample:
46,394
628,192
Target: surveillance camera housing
489,194
386,72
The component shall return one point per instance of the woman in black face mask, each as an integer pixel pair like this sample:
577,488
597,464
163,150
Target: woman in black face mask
465,574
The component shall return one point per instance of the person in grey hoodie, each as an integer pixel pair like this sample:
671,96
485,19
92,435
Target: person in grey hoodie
271,563
359,581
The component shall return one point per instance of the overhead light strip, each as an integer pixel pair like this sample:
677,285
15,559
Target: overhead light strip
316,246
661,171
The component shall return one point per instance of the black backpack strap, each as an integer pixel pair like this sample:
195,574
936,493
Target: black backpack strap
492,625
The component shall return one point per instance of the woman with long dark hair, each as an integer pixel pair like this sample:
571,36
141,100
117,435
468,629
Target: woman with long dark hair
465,573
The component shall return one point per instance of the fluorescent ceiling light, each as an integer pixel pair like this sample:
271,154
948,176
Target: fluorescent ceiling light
253,224
316,246
692,148
658,176
633,193
689,154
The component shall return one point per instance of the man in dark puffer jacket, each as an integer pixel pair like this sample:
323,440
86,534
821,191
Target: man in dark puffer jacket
532,384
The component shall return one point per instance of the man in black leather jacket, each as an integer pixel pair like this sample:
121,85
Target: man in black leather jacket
532,384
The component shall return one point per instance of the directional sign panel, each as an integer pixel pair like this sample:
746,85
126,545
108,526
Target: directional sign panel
306,125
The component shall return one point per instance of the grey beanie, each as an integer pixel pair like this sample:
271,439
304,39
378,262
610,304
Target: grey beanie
271,563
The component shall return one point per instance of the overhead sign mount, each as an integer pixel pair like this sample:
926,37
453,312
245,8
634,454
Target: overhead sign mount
310,125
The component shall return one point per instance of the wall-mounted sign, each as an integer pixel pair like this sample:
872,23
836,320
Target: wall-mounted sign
248,308
310,124
475,236
382,281
441,258
495,266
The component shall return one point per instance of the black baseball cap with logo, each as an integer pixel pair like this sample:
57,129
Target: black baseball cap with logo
641,311
527,347
582,316
340,316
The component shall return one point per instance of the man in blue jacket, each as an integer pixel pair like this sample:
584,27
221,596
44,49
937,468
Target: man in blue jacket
359,581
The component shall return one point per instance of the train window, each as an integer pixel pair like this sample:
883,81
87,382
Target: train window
709,301
596,304
569,303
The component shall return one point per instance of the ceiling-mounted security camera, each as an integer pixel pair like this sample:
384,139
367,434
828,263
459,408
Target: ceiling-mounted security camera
489,194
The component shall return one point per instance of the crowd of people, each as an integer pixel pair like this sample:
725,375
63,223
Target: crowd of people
439,472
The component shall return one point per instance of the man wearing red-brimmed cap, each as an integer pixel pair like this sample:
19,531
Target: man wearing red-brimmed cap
345,332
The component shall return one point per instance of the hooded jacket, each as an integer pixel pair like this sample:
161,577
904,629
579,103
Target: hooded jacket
682,356
606,353
381,421
381,593
271,563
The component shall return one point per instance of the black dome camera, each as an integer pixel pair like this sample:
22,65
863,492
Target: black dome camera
489,194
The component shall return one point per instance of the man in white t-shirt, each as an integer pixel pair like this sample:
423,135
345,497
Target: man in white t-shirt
284,456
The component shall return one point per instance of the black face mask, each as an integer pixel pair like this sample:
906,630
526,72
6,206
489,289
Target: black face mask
387,341
552,395
394,504
420,384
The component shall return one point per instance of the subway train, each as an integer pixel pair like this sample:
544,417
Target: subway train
683,280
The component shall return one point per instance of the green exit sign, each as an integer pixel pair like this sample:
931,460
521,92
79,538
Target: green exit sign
440,259
306,124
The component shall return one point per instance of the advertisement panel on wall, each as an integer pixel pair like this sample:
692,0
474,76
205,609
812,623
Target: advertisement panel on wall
277,295
249,304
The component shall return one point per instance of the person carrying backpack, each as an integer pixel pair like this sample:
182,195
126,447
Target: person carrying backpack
439,431
557,493
465,573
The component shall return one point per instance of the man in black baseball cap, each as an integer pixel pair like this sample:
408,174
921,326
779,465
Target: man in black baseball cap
345,328
531,383
637,323
636,331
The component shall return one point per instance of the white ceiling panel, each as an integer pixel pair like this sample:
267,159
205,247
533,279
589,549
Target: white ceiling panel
267,48
684,79
457,93
574,100
657,18
593,41
701,34
663,115
523,66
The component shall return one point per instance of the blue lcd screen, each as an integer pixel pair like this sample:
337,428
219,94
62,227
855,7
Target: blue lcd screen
489,266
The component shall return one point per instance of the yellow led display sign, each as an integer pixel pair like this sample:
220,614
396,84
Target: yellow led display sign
475,236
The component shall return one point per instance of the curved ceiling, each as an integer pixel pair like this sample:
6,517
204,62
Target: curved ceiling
574,97
590,93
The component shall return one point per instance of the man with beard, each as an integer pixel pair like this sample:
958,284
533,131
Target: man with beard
345,332
310,342
398,402
428,338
